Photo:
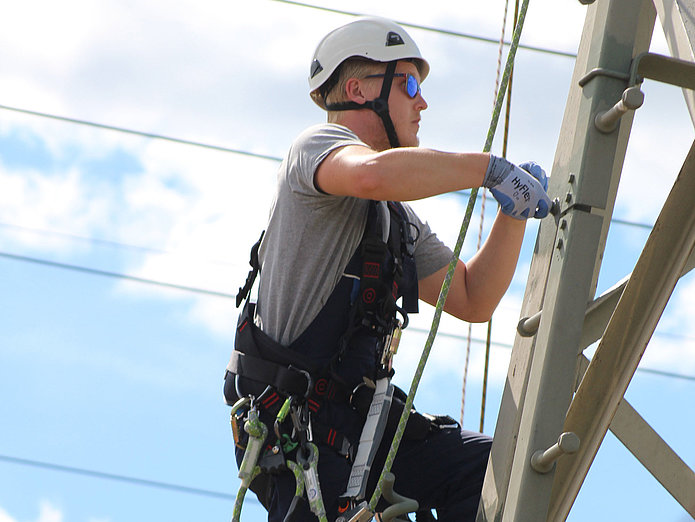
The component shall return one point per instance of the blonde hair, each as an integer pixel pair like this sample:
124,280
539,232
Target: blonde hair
334,92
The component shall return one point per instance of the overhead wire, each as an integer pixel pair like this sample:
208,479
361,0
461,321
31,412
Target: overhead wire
143,134
196,290
183,141
203,291
104,242
438,30
105,273
120,478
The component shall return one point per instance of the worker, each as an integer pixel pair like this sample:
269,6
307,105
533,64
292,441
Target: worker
344,261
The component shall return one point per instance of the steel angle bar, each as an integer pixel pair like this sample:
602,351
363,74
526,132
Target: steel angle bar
600,310
625,339
651,450
664,69
598,313
565,266
678,21
655,455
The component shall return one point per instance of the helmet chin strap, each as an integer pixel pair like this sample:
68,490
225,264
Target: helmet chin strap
379,105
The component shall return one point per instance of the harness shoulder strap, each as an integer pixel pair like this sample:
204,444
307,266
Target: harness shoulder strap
255,268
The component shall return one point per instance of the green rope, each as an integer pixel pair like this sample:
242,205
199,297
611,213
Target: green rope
452,265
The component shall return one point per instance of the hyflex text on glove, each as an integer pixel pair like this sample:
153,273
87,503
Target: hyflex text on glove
520,191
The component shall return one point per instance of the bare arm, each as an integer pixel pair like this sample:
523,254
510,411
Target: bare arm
479,285
405,174
402,174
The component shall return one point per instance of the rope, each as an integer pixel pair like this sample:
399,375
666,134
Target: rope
450,271
485,374
504,154
498,73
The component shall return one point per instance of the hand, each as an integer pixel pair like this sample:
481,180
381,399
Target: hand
520,191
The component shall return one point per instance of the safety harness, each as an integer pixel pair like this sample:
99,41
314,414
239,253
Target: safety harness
286,387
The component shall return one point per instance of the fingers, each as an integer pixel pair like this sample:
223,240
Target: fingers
543,208
522,196
536,171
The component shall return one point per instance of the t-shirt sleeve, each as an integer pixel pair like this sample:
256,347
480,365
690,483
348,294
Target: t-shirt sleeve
310,149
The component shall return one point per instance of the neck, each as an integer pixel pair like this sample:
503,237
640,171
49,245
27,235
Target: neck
368,127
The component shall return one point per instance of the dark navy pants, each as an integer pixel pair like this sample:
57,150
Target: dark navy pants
444,472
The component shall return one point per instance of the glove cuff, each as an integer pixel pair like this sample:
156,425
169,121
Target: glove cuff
497,171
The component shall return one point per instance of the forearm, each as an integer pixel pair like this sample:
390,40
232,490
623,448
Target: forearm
403,174
490,271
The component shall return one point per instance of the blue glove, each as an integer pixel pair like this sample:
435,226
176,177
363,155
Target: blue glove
520,191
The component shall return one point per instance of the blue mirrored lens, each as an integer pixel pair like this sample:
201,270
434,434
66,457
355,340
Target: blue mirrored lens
412,86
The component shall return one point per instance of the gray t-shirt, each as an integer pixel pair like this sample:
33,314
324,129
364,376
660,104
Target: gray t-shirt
312,235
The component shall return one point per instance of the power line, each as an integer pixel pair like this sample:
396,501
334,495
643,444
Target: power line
99,241
667,374
104,273
465,194
140,133
184,288
181,141
508,346
435,30
121,478
175,286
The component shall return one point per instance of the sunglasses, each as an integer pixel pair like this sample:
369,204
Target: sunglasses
412,86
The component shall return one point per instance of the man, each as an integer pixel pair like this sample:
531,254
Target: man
333,264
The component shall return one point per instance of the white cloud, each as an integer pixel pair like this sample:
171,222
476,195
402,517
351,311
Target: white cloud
31,199
5,516
47,513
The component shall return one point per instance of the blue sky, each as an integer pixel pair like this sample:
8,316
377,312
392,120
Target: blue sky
124,378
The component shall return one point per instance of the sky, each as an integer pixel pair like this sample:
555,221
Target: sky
111,385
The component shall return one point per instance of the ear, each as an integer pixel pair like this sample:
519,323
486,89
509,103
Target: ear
354,90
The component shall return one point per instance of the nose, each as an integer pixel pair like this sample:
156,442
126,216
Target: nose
421,104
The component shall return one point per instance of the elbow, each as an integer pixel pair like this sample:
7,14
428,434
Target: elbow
474,316
478,317
472,313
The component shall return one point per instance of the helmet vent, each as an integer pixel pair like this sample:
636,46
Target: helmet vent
394,38
315,68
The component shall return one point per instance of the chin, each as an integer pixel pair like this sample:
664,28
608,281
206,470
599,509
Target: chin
409,141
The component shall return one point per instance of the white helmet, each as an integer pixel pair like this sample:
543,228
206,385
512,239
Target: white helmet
371,37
